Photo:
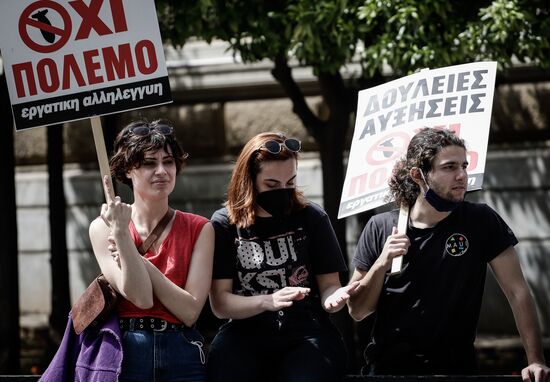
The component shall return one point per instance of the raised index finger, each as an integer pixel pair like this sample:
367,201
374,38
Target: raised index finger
108,189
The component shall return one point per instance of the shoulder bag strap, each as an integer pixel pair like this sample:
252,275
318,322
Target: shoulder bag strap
156,232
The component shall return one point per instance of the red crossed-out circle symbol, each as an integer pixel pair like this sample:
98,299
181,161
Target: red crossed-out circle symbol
26,20
388,148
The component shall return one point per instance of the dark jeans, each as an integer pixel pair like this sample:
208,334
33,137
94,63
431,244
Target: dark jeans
274,347
162,356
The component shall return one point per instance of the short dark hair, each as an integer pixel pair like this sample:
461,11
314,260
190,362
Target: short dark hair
129,149
421,152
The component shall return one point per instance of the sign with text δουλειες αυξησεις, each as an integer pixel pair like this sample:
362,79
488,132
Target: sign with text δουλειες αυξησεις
459,98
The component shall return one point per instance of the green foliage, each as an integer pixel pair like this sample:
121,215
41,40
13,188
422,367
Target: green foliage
507,30
409,35
255,29
180,21
323,35
401,35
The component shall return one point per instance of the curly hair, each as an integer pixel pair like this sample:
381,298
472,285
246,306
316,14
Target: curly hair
241,192
421,152
129,148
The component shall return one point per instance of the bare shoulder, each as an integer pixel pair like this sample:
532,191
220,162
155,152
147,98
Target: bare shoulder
207,235
98,228
207,229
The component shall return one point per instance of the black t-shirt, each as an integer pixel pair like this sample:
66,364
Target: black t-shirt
273,254
429,312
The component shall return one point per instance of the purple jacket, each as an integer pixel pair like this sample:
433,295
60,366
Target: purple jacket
93,356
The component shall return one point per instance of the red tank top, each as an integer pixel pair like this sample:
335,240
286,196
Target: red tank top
173,260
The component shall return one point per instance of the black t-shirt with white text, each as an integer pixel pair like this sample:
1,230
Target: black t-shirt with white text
273,254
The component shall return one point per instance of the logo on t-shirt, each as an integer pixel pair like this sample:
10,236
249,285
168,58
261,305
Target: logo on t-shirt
456,244
299,276
265,265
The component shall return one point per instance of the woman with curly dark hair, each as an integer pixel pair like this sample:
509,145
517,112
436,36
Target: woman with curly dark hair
164,287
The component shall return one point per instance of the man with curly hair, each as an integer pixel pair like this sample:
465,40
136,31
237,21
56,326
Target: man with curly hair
426,316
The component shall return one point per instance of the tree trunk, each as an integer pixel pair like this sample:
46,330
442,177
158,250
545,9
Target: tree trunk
330,135
331,150
331,153
110,131
61,298
331,140
10,343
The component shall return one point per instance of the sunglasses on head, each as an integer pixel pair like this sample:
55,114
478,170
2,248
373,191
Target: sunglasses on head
275,147
145,129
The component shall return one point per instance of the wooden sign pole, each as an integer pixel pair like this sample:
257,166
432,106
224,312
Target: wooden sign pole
102,155
397,262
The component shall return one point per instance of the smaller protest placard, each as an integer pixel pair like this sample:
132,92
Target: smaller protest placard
458,98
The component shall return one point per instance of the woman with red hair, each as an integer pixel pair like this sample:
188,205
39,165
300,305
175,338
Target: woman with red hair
276,274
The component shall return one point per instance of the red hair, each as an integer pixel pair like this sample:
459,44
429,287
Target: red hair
241,193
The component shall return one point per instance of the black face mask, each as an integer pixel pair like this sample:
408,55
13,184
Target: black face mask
275,202
440,204
436,201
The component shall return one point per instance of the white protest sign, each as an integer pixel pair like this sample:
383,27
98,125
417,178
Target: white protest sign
67,60
458,98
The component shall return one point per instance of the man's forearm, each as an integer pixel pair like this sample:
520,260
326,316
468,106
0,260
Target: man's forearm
527,323
364,301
